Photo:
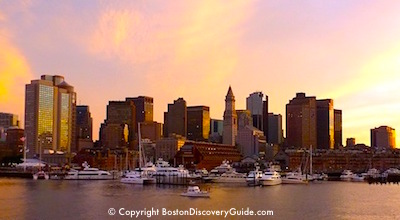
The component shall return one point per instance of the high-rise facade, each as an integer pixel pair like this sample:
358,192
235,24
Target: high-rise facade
301,121
175,120
254,103
118,130
144,108
216,130
8,120
325,124
84,127
383,137
230,119
338,128
50,114
198,123
275,132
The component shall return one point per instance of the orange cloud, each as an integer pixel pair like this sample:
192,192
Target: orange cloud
14,73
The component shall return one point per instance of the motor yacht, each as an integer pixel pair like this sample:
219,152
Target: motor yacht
253,178
230,177
88,173
137,177
194,191
270,178
358,177
295,178
347,175
41,175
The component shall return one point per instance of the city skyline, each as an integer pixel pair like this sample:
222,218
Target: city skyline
344,51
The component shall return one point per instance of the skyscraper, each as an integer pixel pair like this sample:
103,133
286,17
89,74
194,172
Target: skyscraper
50,104
383,137
254,103
84,130
118,129
175,120
275,132
8,120
230,119
198,123
144,108
325,124
338,128
301,121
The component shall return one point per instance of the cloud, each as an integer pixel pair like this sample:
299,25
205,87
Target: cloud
14,73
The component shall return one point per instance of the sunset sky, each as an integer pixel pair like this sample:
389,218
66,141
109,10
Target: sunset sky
108,50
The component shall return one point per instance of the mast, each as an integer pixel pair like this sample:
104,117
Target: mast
140,147
310,159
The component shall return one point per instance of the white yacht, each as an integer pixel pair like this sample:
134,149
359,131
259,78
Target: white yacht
194,191
295,178
373,173
347,175
88,173
163,168
358,178
231,177
270,178
41,175
137,177
254,177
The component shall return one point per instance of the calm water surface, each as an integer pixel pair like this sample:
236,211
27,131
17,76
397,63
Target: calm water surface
55,199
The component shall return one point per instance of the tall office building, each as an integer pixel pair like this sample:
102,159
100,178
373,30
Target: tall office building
338,128
144,108
301,121
84,127
254,103
244,118
118,130
230,119
275,131
325,124
198,123
50,115
350,142
383,137
175,119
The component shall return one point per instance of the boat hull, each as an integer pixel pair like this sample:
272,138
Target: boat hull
294,181
229,180
270,182
139,181
196,195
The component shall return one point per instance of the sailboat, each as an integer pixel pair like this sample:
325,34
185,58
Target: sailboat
297,177
138,176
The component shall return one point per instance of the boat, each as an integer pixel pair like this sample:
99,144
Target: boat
253,178
270,178
139,176
217,172
88,173
230,177
41,175
358,178
320,176
295,178
347,175
373,174
194,191
162,168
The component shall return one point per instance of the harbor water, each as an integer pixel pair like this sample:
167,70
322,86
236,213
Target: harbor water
60,199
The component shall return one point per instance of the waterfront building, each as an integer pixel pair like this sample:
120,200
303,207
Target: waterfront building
199,155
230,119
175,119
265,118
325,124
250,141
198,123
118,130
350,142
244,118
151,130
301,121
84,128
50,114
14,140
383,137
275,131
216,130
166,148
338,128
